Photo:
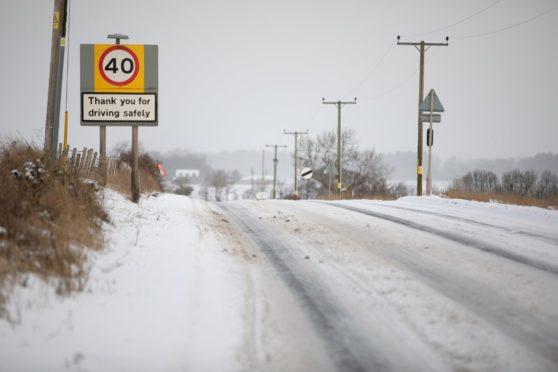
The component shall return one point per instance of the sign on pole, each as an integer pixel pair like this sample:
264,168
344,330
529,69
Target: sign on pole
436,104
119,85
436,118
306,173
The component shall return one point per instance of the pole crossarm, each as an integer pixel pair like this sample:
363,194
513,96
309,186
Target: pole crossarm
295,133
419,43
339,104
422,47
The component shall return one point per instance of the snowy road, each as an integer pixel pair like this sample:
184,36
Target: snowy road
415,284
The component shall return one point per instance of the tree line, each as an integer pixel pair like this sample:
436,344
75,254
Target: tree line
515,182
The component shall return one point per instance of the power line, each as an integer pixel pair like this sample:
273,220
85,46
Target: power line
399,85
458,22
392,89
373,70
508,27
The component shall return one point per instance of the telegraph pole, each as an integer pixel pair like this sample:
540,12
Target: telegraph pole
55,78
422,47
262,185
339,104
296,133
275,161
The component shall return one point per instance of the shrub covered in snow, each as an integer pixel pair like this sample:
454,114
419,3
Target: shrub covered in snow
48,218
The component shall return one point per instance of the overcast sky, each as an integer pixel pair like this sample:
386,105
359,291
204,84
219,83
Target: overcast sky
234,74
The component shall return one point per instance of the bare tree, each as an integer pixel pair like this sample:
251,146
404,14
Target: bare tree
320,154
221,182
478,181
519,183
363,171
547,186
368,176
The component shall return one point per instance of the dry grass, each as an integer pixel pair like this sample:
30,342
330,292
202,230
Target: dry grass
149,178
48,219
503,198
122,182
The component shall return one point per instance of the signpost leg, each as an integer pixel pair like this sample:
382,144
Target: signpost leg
428,173
103,154
275,160
135,165
296,164
430,140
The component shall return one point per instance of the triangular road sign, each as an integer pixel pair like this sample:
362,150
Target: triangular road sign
436,107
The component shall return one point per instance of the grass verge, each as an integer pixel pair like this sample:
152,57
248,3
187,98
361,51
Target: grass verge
503,198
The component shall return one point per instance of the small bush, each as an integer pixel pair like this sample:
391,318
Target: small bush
184,190
48,218
149,176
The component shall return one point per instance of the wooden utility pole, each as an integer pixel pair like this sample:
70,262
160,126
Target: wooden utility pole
55,77
275,161
252,189
422,47
339,104
296,133
262,184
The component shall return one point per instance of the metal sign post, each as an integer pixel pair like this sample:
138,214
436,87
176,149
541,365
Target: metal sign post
306,174
431,104
119,87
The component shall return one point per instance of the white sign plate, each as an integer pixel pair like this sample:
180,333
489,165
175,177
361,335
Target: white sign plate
119,108
306,173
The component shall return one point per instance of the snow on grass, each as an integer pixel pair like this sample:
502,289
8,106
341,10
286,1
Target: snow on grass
162,296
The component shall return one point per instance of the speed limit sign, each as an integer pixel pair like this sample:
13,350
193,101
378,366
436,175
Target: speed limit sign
119,84
119,65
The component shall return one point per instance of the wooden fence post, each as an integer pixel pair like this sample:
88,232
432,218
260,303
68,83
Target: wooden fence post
73,158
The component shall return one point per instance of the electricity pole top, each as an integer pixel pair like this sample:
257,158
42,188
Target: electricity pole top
413,43
422,47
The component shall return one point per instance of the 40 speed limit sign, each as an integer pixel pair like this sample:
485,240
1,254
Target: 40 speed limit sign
119,65
119,84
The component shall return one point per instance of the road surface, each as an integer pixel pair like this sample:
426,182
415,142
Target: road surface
408,286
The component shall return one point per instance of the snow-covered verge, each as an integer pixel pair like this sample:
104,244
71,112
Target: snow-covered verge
529,230
164,295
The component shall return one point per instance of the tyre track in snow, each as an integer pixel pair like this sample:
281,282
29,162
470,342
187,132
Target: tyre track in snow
538,334
322,313
349,348
466,220
458,238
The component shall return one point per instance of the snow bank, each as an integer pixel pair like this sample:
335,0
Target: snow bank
162,296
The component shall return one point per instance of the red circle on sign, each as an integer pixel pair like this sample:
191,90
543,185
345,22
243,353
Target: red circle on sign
102,71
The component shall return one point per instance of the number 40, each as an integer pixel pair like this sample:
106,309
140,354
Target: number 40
126,65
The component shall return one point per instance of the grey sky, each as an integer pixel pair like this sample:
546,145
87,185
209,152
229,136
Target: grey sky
233,74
